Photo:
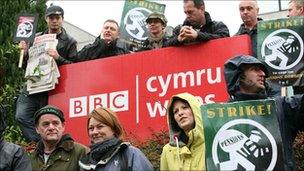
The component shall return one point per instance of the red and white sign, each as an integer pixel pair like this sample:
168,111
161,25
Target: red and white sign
138,86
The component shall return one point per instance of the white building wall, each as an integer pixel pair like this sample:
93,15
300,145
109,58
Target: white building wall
82,37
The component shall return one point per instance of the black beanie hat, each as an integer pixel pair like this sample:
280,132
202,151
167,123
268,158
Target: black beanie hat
49,109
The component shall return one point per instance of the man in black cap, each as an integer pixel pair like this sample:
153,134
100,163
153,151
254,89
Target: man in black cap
198,26
55,150
65,51
12,156
157,23
246,80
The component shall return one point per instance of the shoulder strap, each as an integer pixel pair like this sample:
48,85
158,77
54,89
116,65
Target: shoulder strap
124,159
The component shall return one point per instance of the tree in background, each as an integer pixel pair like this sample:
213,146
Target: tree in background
12,77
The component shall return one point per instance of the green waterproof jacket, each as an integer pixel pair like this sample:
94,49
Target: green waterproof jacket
65,157
189,152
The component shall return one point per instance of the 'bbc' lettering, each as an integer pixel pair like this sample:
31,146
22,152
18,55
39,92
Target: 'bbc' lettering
81,106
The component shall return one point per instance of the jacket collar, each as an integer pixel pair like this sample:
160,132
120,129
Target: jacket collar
88,164
238,96
244,29
66,143
208,18
62,35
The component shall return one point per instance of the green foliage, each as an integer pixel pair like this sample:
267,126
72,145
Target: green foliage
152,147
11,77
12,134
9,10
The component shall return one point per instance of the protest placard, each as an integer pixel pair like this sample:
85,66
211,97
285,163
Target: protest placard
133,21
242,136
25,31
280,47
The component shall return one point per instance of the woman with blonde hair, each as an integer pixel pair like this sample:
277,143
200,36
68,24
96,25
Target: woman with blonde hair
186,149
108,151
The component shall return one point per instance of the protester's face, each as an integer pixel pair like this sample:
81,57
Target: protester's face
99,131
183,115
294,10
249,11
195,16
155,26
54,22
254,79
50,128
110,31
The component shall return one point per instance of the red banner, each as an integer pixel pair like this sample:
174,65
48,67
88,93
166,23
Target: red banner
138,86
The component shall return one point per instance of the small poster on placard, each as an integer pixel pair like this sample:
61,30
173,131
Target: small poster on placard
26,27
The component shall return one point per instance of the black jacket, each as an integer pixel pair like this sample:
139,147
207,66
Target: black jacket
99,49
290,111
66,47
211,30
253,35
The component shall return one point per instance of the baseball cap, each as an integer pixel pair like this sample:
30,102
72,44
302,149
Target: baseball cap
54,10
157,15
49,109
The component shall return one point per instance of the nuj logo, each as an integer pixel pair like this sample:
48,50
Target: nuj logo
135,23
244,150
282,49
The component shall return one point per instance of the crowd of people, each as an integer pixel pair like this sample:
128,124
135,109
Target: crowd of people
44,124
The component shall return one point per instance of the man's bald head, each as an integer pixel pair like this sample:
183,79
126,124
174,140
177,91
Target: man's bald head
249,11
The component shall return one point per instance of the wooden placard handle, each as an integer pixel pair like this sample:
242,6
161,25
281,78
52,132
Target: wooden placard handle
21,58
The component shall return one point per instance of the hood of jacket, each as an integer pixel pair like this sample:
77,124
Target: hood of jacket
233,69
193,136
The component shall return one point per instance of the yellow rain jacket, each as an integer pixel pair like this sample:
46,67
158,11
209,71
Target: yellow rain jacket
189,152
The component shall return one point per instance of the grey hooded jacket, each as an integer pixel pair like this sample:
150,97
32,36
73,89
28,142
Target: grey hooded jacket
12,156
290,112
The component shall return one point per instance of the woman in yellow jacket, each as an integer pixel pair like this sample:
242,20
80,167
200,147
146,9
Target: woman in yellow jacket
186,149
